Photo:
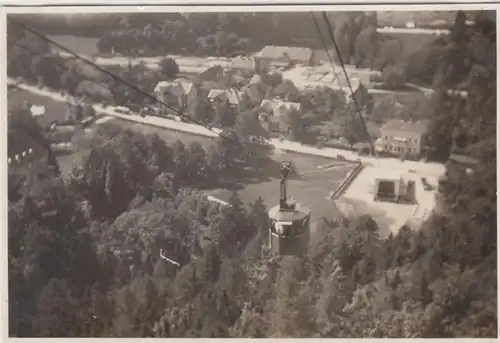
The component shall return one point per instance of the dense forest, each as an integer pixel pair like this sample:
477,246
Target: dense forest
84,251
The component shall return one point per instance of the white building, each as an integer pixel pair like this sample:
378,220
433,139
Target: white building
274,118
178,95
405,139
37,110
243,63
232,96
310,78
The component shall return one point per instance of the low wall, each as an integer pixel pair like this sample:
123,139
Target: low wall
347,181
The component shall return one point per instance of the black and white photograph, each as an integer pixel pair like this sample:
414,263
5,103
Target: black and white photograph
251,172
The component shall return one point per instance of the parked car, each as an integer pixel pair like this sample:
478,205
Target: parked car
134,107
147,111
122,109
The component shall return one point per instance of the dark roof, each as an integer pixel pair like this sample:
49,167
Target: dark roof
405,127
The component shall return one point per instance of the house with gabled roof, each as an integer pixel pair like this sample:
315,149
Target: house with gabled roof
402,138
273,114
212,73
233,97
22,148
178,95
255,90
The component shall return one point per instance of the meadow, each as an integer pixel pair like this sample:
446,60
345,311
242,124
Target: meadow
54,111
80,45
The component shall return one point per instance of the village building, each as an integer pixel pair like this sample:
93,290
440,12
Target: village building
233,97
243,63
458,93
37,110
402,138
317,77
255,90
274,57
22,149
61,137
274,112
178,95
212,73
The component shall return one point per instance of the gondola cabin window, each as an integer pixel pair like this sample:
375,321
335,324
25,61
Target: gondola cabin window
283,228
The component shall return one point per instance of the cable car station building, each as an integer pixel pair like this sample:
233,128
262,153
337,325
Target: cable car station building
392,187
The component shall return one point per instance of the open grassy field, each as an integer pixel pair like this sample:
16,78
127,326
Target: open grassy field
54,111
79,45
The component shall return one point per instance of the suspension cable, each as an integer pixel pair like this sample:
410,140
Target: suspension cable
330,58
339,55
110,74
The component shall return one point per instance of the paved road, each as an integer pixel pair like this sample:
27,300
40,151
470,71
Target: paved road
433,170
186,64
416,30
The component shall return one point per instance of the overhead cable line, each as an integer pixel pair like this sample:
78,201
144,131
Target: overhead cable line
330,58
339,55
325,46
110,74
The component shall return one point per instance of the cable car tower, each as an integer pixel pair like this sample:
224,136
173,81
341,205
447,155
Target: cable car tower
289,222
